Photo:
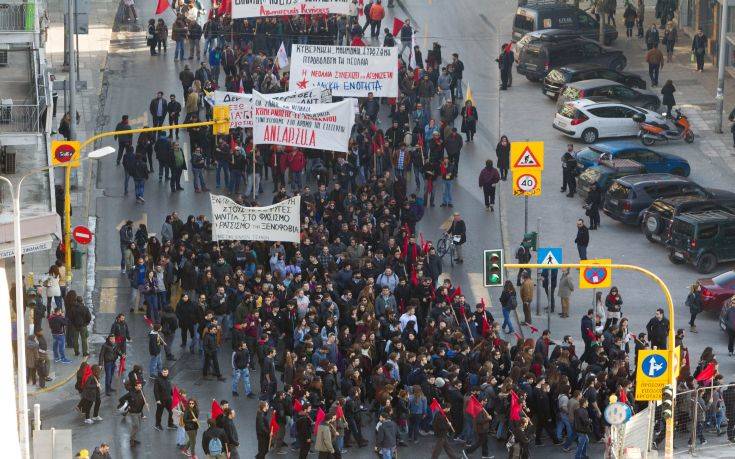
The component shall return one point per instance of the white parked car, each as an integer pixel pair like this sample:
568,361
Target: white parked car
591,119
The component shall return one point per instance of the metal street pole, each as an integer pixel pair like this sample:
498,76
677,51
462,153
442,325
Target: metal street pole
72,68
525,216
720,96
538,270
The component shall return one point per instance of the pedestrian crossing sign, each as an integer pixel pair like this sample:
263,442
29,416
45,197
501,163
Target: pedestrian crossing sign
527,155
549,256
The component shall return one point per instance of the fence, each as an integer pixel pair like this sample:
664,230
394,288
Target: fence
19,118
17,17
699,421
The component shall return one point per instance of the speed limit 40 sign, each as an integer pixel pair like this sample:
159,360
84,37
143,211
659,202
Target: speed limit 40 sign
526,182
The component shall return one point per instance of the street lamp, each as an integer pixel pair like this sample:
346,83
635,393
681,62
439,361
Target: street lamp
23,430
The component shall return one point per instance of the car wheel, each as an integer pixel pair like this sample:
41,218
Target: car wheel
707,263
689,137
649,237
589,135
675,260
679,171
647,140
618,64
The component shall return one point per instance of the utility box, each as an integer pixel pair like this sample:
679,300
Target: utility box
52,444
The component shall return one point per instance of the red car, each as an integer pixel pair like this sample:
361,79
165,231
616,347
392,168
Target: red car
715,290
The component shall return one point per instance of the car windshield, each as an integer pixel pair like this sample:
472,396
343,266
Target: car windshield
523,22
618,191
590,154
683,228
725,278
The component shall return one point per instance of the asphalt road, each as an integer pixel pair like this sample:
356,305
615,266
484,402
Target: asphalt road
474,29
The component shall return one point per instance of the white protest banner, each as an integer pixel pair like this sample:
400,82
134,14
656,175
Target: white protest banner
266,8
349,71
233,222
241,107
320,126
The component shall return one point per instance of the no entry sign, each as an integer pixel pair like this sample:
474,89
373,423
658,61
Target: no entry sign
82,235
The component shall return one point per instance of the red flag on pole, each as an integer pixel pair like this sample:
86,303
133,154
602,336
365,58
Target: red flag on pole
274,424
297,406
162,6
435,406
518,335
339,412
708,373
175,397
485,324
474,407
515,407
121,369
148,321
456,292
225,8
533,329
397,26
216,410
86,374
622,396
320,416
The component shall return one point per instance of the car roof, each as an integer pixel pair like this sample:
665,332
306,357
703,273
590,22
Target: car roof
706,217
553,33
616,146
546,5
593,83
563,43
590,101
620,164
647,178
675,201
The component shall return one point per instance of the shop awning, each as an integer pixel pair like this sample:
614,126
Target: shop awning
30,245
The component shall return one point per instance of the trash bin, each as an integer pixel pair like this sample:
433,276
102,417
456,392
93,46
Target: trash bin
76,257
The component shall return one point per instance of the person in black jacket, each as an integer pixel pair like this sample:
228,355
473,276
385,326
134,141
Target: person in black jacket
109,353
158,108
458,229
135,411
582,240
442,428
262,432
162,147
79,318
91,396
209,341
208,436
140,175
169,324
592,206
173,108
163,393
228,423
658,330
123,140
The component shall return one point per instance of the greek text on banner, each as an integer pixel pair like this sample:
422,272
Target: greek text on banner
233,222
320,126
266,8
241,105
349,71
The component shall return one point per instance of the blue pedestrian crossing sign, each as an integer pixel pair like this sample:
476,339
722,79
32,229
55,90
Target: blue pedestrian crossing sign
549,256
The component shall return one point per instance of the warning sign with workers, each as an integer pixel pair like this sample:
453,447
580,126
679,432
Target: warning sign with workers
652,374
526,155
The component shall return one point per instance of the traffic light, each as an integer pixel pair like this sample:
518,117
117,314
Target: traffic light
221,118
493,268
667,402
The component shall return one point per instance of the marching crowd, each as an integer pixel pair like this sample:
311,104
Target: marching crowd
353,333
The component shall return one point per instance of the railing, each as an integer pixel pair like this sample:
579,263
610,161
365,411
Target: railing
17,17
19,118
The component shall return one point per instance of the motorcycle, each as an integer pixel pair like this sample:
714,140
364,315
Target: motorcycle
651,131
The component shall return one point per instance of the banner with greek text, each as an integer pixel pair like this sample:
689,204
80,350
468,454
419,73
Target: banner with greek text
349,71
233,222
266,8
241,107
320,126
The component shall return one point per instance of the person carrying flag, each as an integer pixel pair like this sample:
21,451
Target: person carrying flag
481,422
442,429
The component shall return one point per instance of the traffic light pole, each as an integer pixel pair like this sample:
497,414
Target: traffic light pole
669,442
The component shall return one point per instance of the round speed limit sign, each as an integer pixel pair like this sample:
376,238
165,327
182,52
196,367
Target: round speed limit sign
526,183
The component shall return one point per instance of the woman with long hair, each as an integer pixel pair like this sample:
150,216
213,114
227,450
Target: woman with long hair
502,150
191,426
53,289
91,395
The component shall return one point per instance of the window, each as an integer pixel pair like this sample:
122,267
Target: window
608,75
605,112
670,189
683,228
567,111
646,157
619,191
628,112
622,92
728,232
590,50
585,21
523,22
565,54
707,231
652,190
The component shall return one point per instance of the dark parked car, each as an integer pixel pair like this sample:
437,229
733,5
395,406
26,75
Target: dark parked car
605,173
611,90
727,319
716,290
538,15
537,59
557,78
628,197
658,217
702,239
653,161
554,35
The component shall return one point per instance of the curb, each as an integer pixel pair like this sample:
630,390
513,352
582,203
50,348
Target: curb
57,384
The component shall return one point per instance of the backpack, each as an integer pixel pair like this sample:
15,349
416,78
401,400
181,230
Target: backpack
215,446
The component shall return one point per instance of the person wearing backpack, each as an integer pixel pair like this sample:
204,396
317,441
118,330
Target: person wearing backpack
214,441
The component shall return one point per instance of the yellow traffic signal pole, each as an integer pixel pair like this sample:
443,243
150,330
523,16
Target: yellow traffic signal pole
90,141
669,443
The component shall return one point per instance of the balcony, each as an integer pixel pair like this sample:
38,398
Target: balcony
17,16
23,95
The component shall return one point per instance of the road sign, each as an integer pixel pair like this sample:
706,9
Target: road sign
676,361
221,114
527,182
597,276
617,413
526,155
65,153
82,235
652,374
549,256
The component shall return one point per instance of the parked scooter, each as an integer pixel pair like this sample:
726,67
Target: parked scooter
651,132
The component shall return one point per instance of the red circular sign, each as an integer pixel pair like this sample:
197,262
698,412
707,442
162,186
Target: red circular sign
82,235
64,153
595,275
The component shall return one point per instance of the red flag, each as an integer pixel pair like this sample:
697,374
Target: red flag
422,241
86,374
339,412
148,321
233,144
435,406
474,407
320,416
162,6
485,324
121,370
216,410
518,335
225,7
457,291
421,142
708,373
622,396
397,26
274,424
533,329
297,406
175,397
461,310
515,407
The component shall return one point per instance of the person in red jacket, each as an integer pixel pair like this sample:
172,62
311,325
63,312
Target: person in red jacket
296,164
489,177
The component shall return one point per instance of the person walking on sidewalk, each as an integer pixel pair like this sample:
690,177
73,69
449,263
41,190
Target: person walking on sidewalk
699,49
652,37
671,35
694,303
629,17
163,393
655,60
489,178
109,353
57,324
582,240
136,404
668,100
91,396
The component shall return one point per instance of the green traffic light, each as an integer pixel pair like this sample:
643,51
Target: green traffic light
494,278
